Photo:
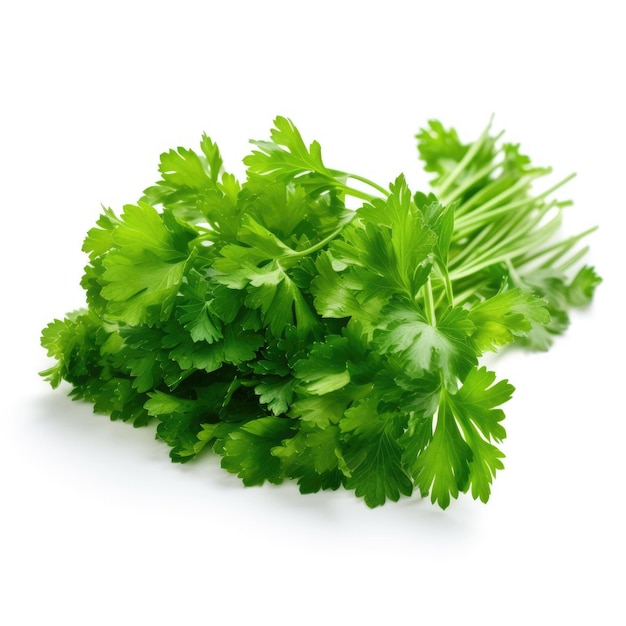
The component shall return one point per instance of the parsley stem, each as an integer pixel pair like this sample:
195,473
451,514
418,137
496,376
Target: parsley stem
513,272
356,193
447,286
464,162
470,246
573,259
475,288
318,245
207,236
509,232
529,243
474,222
370,183
502,234
486,209
451,197
485,198
429,303
561,248
442,288
469,222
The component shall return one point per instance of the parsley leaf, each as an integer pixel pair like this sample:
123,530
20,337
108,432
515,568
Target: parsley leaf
373,454
460,452
426,348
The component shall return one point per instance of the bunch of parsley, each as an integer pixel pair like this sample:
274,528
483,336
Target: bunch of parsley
299,339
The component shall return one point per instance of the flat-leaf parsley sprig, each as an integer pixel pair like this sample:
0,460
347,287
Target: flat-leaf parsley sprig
265,321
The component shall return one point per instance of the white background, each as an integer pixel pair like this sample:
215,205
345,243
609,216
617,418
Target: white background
98,526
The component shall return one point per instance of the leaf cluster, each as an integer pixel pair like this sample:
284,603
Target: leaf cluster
265,322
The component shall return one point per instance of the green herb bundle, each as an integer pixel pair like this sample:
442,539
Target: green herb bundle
298,339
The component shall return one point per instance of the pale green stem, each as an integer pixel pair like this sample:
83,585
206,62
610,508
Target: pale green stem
464,220
573,259
357,193
472,245
522,184
464,162
317,246
540,235
468,226
370,183
562,247
518,230
447,199
429,303
462,296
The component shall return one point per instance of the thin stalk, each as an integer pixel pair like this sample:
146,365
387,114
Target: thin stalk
462,164
538,197
504,251
471,246
489,169
573,259
501,232
429,303
318,245
562,248
447,285
357,193
440,299
520,228
540,235
370,183
441,273
513,272
468,226
208,236
476,220
520,185
462,296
